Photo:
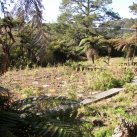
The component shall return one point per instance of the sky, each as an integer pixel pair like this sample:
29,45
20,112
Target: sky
51,11
121,6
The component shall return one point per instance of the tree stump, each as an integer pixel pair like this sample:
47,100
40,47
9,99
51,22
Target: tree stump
125,129
91,54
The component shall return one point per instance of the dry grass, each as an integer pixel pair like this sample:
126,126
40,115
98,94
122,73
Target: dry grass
54,81
64,81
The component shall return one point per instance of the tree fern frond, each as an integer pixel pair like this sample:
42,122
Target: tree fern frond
86,40
25,8
4,132
4,99
42,117
55,118
8,119
57,128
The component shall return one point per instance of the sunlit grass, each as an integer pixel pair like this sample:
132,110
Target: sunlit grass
77,84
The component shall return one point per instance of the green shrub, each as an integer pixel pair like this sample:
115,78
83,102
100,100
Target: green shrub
131,88
103,80
120,111
127,76
27,92
103,132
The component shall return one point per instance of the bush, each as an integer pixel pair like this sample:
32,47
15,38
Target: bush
131,89
103,132
103,80
127,76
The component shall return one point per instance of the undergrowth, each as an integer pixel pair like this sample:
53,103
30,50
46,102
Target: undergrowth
95,120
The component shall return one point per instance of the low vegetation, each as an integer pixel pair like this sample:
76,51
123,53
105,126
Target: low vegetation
97,119
65,81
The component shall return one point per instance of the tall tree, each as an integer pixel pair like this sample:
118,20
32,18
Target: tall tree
87,11
26,13
133,8
6,37
30,11
83,15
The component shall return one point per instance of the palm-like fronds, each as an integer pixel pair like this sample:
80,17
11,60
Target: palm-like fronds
132,40
104,41
29,10
6,40
124,43
91,40
127,45
4,99
133,8
41,117
120,44
50,116
89,43
9,121
27,13
12,123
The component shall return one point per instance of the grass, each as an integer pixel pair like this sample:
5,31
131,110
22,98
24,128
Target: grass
63,81
109,112
102,116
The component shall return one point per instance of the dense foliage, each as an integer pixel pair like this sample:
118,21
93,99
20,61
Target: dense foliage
30,42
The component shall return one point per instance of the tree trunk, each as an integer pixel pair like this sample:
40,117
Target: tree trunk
5,59
91,54
109,53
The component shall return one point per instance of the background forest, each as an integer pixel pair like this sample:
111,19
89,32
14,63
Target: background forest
82,26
